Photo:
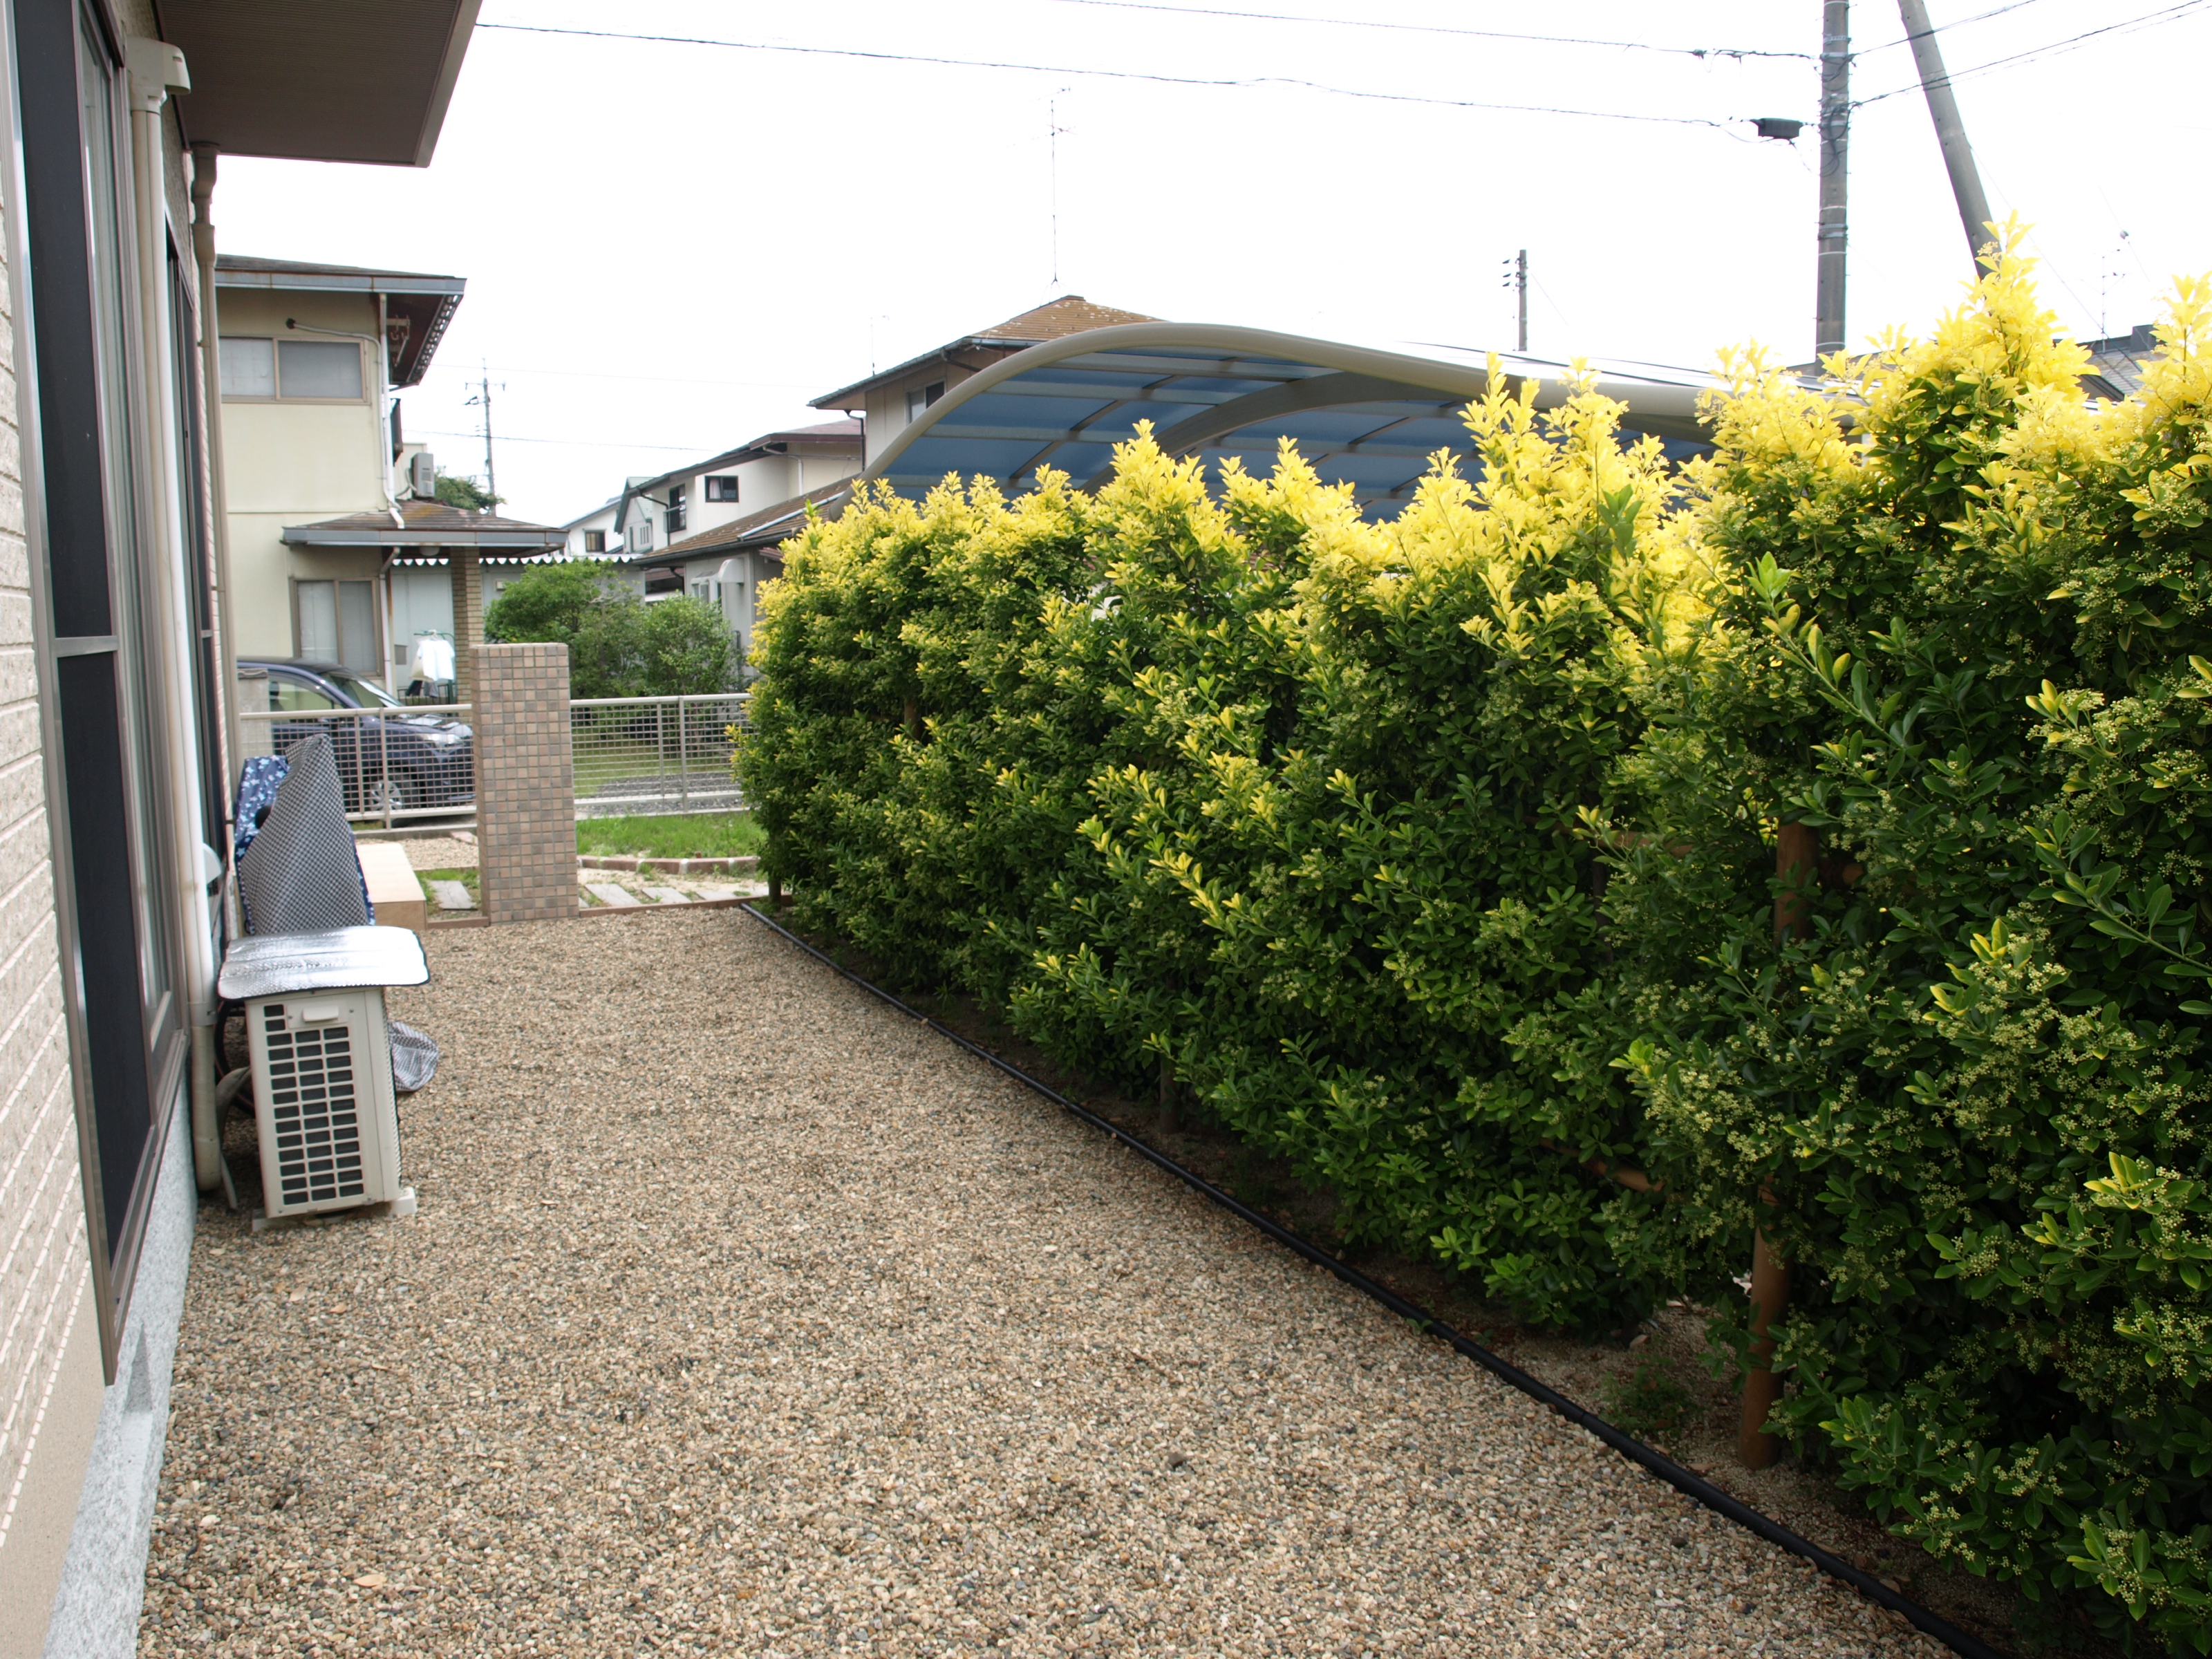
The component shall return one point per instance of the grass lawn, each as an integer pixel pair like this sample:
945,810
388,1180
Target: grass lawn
676,836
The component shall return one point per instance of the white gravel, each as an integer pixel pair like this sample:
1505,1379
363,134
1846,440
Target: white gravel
440,853
744,1316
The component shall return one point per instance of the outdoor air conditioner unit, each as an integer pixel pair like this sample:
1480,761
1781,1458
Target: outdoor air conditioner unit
329,1122
321,1058
423,475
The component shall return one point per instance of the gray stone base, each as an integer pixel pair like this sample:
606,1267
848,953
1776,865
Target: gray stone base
95,1614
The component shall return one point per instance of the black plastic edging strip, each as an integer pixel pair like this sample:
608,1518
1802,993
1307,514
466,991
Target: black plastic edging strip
1683,1479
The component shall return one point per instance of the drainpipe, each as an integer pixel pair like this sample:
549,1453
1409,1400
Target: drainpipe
204,160
155,67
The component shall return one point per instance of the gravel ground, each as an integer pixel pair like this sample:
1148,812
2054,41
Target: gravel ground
443,853
746,1316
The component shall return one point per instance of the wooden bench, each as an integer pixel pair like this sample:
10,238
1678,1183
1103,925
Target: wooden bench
393,887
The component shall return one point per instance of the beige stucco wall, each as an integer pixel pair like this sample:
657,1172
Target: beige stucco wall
885,415
293,463
47,1407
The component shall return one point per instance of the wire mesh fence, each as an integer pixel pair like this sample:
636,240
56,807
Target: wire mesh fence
655,754
644,755
395,765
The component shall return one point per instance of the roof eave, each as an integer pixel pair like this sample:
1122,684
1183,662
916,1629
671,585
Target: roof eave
285,282
312,536
850,395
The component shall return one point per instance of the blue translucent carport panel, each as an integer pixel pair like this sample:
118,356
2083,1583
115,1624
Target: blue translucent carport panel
1369,472
930,457
1048,418
1120,423
1082,462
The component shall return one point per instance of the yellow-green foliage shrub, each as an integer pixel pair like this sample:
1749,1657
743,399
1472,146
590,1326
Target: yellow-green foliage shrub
1439,856
1957,617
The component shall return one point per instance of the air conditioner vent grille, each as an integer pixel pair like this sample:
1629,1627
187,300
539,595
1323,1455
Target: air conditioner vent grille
313,1108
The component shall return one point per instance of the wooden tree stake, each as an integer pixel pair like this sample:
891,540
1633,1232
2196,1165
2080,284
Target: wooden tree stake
1755,1449
1796,865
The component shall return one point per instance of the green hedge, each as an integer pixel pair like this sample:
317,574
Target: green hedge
1439,857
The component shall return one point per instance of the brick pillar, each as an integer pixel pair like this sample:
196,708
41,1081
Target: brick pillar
525,781
467,572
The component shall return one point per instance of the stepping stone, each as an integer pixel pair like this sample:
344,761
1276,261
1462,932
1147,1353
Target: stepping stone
452,895
666,896
608,894
716,892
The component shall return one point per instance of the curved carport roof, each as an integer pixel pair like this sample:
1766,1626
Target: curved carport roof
1368,417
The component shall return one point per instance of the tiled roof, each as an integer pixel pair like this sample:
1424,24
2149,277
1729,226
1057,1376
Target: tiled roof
770,524
1070,313
424,524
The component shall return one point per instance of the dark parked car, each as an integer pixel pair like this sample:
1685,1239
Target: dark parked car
393,759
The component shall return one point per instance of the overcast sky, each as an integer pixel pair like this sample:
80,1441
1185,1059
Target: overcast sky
670,247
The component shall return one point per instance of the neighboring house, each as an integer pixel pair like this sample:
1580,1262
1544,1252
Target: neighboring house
710,529
416,569
593,536
311,357
118,623
654,513
726,566
888,402
2117,365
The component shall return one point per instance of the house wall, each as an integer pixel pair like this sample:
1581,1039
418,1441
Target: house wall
50,1374
763,481
738,600
885,414
603,521
79,1457
291,463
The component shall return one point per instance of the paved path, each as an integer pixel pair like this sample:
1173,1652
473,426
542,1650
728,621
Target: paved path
744,1316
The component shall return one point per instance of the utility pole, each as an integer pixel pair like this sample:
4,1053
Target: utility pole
1835,175
484,387
1950,132
1517,278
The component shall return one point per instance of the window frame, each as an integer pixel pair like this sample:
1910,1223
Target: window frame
721,487
338,611
91,423
277,344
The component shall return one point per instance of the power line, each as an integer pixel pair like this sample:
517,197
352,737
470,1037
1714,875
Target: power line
1963,23
1435,29
2148,20
1250,83
657,379
573,443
